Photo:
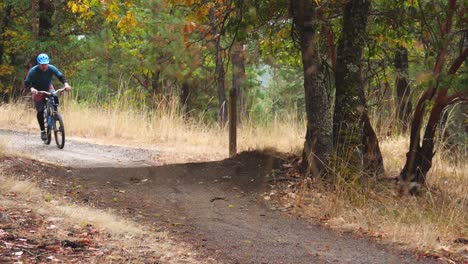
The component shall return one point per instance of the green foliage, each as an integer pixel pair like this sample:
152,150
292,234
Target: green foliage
280,94
148,49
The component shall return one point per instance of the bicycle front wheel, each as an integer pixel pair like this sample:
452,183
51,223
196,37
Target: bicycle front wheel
59,131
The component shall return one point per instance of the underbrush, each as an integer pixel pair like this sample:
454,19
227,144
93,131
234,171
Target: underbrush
433,223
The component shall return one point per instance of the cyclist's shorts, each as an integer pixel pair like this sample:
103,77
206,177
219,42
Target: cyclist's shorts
39,99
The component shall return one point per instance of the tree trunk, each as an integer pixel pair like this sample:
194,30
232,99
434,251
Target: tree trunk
46,11
372,158
184,98
402,87
420,154
232,122
220,78
419,157
318,139
221,84
34,7
238,78
353,135
156,87
5,22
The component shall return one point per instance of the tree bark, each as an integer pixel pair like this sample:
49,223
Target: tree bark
221,84
238,78
419,158
156,87
420,154
404,106
353,135
4,25
220,75
34,7
318,140
184,98
46,11
328,32
232,122
5,22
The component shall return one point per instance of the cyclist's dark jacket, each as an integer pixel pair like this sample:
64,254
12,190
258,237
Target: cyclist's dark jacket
42,80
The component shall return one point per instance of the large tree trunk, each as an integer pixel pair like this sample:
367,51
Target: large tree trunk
318,140
404,106
353,135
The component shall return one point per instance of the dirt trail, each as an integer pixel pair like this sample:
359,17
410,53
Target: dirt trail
215,206
78,154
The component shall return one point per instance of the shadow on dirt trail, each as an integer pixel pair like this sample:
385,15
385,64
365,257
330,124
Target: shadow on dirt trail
217,207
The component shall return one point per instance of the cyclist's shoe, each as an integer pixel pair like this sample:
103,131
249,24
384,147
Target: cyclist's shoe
43,135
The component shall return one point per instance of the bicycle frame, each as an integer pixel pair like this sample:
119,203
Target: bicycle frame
51,117
50,108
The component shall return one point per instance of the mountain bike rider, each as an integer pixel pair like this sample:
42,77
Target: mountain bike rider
39,78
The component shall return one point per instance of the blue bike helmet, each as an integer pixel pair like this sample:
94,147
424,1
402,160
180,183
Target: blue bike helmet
43,58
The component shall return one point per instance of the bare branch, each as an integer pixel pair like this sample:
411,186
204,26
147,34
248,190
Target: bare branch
458,62
445,31
454,98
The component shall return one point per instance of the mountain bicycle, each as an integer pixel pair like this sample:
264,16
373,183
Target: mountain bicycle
53,121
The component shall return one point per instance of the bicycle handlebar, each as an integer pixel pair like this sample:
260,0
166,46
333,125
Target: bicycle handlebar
50,93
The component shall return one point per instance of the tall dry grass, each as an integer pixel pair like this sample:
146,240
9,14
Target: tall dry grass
122,121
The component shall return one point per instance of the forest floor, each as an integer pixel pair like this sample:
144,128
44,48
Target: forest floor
96,203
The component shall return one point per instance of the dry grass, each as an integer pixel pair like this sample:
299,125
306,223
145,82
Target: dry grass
25,188
127,126
7,150
3,147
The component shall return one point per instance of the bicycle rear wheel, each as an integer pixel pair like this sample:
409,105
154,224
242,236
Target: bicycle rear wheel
59,131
